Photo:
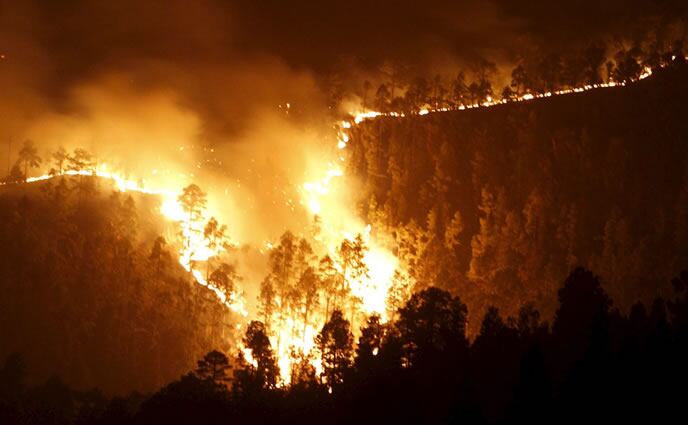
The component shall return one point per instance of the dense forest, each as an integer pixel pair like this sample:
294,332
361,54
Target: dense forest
343,212
592,361
407,90
92,290
499,204
541,247
492,210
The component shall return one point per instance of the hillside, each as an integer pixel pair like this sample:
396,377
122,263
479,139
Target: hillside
499,204
90,294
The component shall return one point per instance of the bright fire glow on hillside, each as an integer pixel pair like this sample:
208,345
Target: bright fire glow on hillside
294,335
196,251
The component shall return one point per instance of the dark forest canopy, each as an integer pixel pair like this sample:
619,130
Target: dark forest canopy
495,205
420,368
500,203
93,292
545,242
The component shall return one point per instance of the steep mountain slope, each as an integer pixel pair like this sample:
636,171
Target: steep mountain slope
500,203
89,292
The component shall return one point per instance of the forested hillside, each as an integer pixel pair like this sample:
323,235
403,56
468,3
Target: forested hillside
499,204
92,292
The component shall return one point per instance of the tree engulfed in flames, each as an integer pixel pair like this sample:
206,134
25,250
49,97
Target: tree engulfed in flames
341,236
196,247
338,222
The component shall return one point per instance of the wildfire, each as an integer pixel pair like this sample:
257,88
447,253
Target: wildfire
338,222
293,336
360,116
196,250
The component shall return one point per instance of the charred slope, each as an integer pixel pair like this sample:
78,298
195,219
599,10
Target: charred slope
500,203
89,293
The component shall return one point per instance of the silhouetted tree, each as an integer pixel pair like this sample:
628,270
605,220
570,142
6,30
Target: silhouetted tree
214,367
459,90
193,201
583,304
60,159
519,80
15,176
628,67
432,323
550,72
335,343
303,373
581,322
80,160
507,93
369,344
262,372
593,59
417,95
28,156
439,92
382,98
484,74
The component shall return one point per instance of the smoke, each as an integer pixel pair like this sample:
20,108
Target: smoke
162,96
230,95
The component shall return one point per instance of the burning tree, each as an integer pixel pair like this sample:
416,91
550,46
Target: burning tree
60,159
214,234
28,157
80,160
330,281
308,291
282,265
267,300
351,256
224,278
261,371
370,342
335,343
193,201
459,90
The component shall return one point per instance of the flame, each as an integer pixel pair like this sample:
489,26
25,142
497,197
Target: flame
338,221
196,250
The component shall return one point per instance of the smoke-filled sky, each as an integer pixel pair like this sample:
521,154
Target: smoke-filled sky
247,50
156,85
135,81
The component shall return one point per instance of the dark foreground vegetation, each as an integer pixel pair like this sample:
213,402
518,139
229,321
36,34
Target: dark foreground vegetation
491,209
93,292
592,363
